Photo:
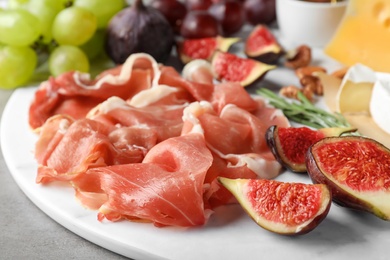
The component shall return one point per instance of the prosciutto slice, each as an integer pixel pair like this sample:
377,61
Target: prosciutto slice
140,142
75,147
235,134
237,139
164,120
166,188
74,93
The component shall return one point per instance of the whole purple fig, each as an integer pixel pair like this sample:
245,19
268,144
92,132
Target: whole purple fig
139,28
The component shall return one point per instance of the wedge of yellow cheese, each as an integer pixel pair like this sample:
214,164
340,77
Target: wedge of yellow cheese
363,35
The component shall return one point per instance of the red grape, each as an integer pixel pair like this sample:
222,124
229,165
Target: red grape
260,11
173,10
230,14
200,24
198,4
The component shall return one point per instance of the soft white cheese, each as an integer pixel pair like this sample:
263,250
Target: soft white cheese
355,90
380,104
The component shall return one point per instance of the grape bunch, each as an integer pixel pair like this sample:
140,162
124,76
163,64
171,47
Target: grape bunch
208,18
64,34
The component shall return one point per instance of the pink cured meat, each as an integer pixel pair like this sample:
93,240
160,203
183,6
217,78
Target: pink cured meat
218,95
269,114
86,144
75,94
52,133
237,139
143,148
165,120
234,94
233,133
166,188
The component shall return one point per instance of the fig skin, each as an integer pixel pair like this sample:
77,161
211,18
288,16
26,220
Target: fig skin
340,195
237,188
136,29
274,143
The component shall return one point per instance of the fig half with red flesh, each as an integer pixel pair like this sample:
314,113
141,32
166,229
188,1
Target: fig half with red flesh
262,45
229,67
290,144
203,48
281,207
356,169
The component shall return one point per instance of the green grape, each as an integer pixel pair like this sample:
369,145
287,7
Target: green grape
14,4
94,46
74,26
17,65
66,58
55,5
18,27
46,15
103,9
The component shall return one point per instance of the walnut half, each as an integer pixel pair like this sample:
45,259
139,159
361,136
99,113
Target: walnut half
300,57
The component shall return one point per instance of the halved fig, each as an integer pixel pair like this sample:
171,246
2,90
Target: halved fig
289,145
262,45
281,207
356,169
203,48
232,68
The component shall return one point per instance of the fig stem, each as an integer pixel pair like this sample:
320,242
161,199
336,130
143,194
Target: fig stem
304,112
138,4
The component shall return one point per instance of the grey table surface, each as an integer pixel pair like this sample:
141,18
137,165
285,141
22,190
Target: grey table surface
28,233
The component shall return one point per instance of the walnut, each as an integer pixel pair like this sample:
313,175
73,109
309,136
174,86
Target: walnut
308,71
300,57
308,94
291,91
313,83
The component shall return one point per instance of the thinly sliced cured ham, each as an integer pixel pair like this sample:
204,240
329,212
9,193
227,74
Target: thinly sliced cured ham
86,144
140,142
74,93
269,114
166,188
237,139
165,120
83,144
234,94
235,135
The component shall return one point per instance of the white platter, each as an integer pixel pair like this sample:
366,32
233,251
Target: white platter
229,234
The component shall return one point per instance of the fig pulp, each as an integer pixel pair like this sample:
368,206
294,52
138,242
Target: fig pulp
356,169
262,45
290,144
281,207
203,48
228,67
139,28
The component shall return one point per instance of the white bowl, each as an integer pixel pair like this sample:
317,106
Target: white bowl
302,22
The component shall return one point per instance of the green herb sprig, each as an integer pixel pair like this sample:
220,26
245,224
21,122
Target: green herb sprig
303,111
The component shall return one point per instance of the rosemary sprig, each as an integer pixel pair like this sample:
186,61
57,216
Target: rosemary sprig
303,111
